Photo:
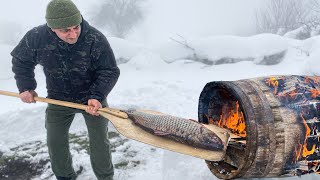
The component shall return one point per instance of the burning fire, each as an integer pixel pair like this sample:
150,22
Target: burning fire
305,152
232,120
315,79
316,166
272,81
298,97
291,94
315,93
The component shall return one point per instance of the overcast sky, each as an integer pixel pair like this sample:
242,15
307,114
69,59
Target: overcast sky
198,18
164,18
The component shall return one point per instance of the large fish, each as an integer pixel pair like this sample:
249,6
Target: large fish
182,130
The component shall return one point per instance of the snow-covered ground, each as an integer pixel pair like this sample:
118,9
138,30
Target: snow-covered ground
148,82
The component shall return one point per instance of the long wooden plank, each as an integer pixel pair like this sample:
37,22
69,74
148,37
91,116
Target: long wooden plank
127,128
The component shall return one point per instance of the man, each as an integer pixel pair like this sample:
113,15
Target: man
80,67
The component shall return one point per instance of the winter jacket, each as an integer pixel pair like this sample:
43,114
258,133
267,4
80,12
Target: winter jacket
74,72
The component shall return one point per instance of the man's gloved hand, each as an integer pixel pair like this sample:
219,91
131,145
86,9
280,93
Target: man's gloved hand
28,96
93,106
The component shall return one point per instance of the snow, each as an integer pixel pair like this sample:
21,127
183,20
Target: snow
217,47
123,48
147,81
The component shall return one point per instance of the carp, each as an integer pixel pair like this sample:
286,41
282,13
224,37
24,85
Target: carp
185,131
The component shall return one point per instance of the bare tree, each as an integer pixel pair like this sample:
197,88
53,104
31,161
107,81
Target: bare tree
119,16
315,6
313,23
280,16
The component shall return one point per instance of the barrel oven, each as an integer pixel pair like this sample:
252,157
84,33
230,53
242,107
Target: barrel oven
276,121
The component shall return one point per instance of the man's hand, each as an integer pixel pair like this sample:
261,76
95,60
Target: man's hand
93,106
28,96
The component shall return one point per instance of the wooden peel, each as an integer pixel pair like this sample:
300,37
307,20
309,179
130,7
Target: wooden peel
127,128
114,112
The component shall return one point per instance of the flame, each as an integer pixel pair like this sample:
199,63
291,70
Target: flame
272,81
232,120
315,93
315,164
292,94
301,94
315,79
305,152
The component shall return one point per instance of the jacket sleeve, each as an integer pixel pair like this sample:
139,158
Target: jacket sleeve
23,64
106,70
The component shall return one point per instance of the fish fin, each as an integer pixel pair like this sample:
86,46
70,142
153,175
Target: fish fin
193,120
160,133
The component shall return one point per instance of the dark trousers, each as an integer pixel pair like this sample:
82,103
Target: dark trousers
58,121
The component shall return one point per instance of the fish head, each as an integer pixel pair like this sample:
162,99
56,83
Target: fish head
214,142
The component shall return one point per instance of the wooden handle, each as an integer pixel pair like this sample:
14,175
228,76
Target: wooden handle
127,128
114,112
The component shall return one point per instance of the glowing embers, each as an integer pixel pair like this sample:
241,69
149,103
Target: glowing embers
232,118
312,79
315,93
289,91
273,82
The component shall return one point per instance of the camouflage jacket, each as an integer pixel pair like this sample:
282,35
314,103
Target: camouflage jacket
74,72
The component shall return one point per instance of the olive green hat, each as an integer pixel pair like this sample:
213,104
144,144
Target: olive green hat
62,14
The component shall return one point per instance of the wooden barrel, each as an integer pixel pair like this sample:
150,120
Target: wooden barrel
280,128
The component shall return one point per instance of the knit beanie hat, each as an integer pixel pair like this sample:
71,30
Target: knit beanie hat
62,14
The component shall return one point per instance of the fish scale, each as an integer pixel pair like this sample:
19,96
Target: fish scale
179,129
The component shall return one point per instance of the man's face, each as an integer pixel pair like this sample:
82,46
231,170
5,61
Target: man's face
69,35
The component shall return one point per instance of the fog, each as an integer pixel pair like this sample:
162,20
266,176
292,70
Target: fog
162,18
32,13
194,19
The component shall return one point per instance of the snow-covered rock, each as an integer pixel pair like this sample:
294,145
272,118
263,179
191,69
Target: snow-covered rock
266,49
